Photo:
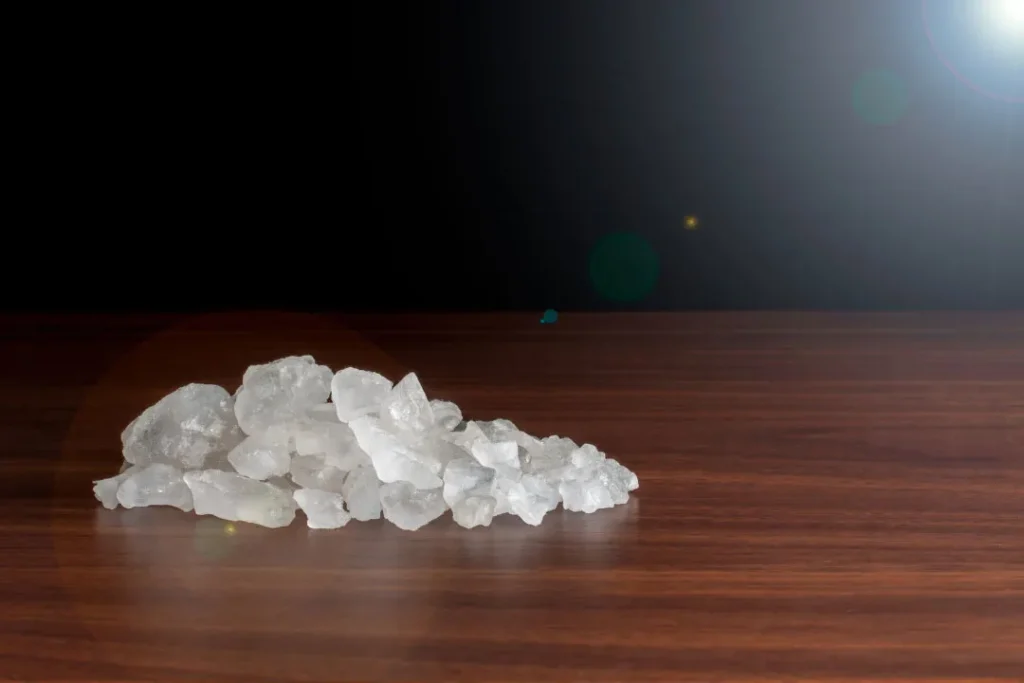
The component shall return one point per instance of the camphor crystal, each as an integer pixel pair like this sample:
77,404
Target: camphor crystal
348,446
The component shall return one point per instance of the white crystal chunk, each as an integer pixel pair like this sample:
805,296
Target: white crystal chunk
281,391
156,484
261,457
531,498
410,508
325,412
335,441
502,457
474,511
105,490
406,406
313,472
447,415
183,428
324,510
240,499
464,477
394,459
356,393
362,493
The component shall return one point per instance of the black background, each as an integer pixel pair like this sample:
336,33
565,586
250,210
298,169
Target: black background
468,155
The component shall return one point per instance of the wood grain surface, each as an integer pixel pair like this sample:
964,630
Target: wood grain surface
823,497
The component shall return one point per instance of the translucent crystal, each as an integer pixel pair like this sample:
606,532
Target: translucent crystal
585,460
325,412
500,488
447,415
312,471
240,499
219,461
261,456
463,477
283,483
595,488
551,457
498,430
585,495
356,393
620,473
362,493
467,436
335,441
474,511
531,498
183,428
324,510
406,406
105,490
281,391
502,457
156,484
394,459
410,508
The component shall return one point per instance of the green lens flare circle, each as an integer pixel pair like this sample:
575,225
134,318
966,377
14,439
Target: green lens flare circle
880,98
623,267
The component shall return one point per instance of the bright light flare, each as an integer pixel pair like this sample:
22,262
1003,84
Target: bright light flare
1006,17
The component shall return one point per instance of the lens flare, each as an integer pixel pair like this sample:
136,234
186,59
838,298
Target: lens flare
980,42
1004,24
1007,16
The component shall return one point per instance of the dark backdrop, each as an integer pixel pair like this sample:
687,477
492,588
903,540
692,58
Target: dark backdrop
467,154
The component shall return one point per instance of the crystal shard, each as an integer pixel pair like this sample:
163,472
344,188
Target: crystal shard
240,499
183,428
324,510
334,441
156,484
406,406
313,472
325,412
447,415
551,457
362,493
474,511
531,498
356,393
394,459
501,457
464,477
410,508
261,457
282,391
105,490
619,473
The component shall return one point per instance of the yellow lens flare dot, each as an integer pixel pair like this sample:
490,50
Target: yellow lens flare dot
229,529
691,222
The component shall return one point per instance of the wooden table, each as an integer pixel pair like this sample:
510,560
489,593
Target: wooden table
826,497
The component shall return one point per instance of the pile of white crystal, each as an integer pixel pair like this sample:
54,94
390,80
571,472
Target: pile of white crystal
348,446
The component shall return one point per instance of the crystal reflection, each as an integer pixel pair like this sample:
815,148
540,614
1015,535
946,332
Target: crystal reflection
564,539
365,583
161,537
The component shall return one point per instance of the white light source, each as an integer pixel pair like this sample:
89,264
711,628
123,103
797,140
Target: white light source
1006,16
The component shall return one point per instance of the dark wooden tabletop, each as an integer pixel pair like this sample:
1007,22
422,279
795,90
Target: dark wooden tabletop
826,497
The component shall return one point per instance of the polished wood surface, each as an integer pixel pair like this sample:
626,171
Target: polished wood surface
823,497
